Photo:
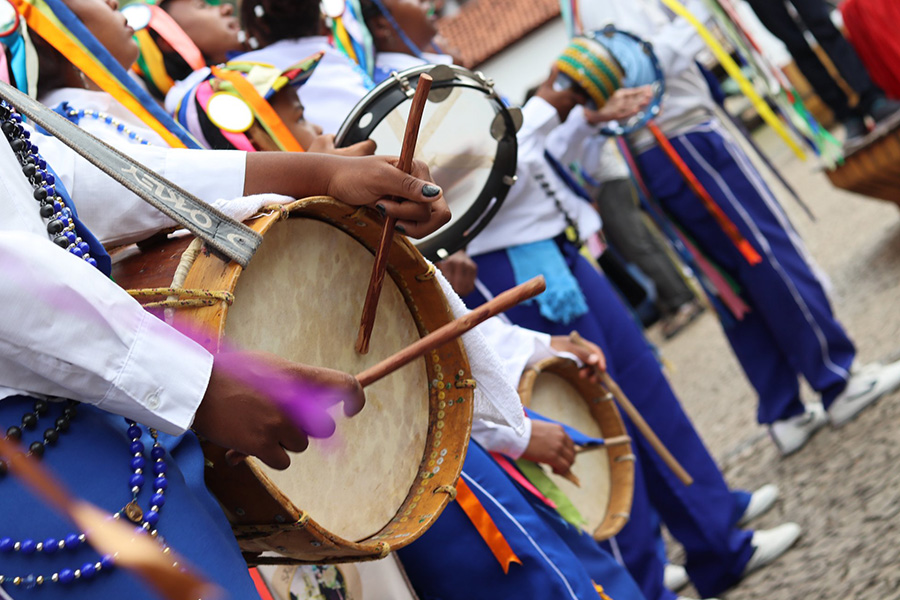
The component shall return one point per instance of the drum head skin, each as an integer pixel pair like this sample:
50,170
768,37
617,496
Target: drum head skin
554,389
555,398
466,137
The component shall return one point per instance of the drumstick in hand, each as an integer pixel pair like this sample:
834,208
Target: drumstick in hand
407,151
613,388
453,329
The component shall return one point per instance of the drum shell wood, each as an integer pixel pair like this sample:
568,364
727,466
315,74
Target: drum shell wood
264,520
872,170
603,409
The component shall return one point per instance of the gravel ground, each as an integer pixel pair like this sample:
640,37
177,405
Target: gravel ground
843,488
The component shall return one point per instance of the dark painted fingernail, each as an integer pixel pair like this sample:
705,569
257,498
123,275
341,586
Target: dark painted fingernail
401,229
430,191
381,209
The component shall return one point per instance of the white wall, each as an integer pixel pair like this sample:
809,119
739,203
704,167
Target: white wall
527,62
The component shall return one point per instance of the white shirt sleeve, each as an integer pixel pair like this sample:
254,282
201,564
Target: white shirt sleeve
114,214
66,330
677,44
500,438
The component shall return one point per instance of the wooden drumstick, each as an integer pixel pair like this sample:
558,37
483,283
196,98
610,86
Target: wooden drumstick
570,476
407,151
613,388
453,330
613,441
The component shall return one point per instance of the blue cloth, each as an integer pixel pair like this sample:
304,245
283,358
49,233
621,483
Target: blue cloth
579,438
92,459
452,562
563,300
701,516
791,331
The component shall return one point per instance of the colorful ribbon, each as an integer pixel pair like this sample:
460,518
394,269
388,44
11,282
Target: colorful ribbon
745,248
263,111
734,71
57,24
485,525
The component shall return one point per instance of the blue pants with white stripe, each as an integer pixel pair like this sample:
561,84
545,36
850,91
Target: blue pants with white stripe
791,331
451,561
701,516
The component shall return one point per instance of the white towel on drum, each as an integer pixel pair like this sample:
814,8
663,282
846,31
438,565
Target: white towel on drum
241,209
496,398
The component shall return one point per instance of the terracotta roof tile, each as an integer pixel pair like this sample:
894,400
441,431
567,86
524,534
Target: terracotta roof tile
483,28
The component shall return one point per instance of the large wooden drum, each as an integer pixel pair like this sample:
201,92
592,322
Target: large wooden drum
873,167
553,388
388,472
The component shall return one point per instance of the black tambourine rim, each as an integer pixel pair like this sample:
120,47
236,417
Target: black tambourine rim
387,96
642,118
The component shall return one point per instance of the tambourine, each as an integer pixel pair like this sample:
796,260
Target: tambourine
601,62
467,138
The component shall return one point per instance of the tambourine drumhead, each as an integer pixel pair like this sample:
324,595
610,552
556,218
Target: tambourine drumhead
553,389
356,481
466,137
387,473
374,580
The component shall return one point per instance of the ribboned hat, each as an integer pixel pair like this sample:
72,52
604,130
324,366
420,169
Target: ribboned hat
145,16
592,67
223,108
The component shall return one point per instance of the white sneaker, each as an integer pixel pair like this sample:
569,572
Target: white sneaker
760,502
792,434
866,385
769,544
675,577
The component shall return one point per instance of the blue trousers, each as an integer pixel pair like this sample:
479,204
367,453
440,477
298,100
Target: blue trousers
92,459
452,562
702,516
791,331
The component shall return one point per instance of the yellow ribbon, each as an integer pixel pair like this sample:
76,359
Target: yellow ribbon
733,70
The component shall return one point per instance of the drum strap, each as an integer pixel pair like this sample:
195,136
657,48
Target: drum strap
485,525
221,233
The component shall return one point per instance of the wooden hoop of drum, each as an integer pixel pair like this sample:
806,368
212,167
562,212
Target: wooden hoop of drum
388,472
467,138
553,388
872,168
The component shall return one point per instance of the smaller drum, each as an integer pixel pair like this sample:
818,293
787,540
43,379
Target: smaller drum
872,168
553,388
382,579
467,138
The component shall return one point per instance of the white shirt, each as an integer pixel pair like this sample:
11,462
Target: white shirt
67,330
115,215
528,214
399,61
334,88
687,101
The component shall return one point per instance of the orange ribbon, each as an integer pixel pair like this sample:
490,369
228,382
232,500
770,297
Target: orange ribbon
262,109
485,526
730,229
261,588
600,591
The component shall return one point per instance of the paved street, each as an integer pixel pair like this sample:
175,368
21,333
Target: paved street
844,487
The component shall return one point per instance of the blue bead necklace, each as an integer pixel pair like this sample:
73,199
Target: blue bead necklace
146,521
53,209
75,115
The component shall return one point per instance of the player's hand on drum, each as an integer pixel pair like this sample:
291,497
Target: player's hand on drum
550,445
245,408
587,352
460,271
325,144
624,103
375,179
